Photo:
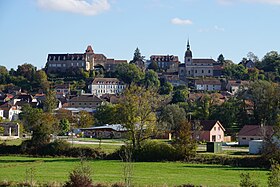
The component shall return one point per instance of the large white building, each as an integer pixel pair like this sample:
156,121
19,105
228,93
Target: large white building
101,86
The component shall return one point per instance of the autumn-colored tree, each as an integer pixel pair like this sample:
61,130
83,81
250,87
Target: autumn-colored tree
137,109
85,119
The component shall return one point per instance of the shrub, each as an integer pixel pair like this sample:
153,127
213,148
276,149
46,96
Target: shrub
247,181
80,176
274,175
153,150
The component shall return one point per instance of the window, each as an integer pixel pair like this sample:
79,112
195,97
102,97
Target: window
195,71
219,137
209,71
214,128
251,138
202,71
80,103
219,128
243,138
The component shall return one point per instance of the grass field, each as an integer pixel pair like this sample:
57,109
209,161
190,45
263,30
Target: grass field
144,173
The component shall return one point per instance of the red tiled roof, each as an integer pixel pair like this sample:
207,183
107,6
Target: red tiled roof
255,130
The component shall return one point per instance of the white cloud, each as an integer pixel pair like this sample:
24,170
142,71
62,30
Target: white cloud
217,28
213,29
275,2
84,7
272,2
178,21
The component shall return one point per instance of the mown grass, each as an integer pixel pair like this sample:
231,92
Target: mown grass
144,173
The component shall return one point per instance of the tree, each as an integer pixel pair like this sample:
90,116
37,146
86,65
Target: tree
184,142
137,56
30,117
265,99
106,114
235,71
171,116
50,102
151,80
153,66
136,110
85,119
165,87
138,59
221,59
27,71
41,79
180,94
129,73
64,126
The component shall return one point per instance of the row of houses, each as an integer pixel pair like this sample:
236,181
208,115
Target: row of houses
209,131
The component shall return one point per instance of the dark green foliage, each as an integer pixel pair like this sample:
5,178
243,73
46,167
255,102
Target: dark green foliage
246,180
151,80
106,114
153,66
153,150
165,87
171,116
129,73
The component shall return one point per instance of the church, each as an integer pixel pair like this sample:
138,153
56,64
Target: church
196,67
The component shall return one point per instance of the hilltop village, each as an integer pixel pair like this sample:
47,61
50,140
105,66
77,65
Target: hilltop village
194,104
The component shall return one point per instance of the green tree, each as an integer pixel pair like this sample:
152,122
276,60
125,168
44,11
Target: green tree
265,99
184,142
171,116
221,59
30,117
235,71
180,94
27,71
151,80
85,119
106,114
64,126
129,73
136,110
165,87
41,79
50,102
153,66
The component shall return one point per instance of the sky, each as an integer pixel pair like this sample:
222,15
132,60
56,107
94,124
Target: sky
31,29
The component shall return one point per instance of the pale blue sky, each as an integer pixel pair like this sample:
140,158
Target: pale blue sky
30,29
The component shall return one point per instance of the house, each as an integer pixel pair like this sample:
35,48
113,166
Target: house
85,102
233,86
101,86
105,131
10,112
253,132
62,90
208,85
247,63
208,130
11,130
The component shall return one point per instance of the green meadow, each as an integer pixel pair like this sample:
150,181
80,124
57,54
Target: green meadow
13,168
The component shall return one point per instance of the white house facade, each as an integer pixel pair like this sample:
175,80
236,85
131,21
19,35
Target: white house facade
101,86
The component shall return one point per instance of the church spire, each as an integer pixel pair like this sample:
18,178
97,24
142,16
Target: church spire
188,44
